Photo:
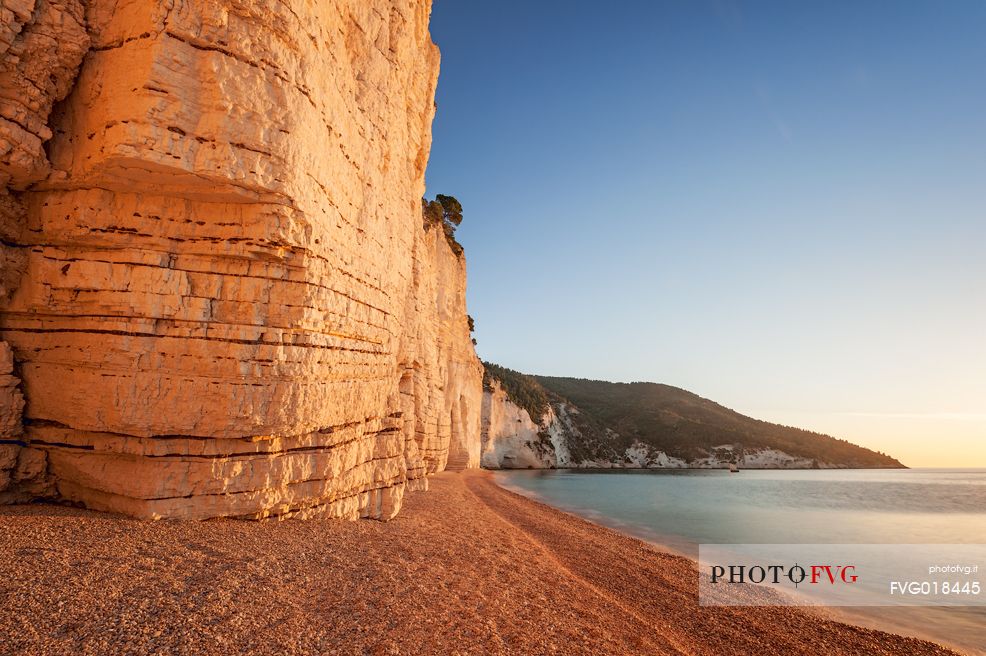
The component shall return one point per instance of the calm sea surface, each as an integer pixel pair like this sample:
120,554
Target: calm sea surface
683,508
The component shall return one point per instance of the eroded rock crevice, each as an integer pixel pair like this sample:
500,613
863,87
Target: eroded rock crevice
42,43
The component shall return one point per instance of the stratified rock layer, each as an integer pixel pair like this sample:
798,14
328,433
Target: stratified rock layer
229,305
42,43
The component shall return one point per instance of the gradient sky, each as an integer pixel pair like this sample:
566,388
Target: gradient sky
779,206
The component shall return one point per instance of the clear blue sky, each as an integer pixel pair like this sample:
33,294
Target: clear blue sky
780,206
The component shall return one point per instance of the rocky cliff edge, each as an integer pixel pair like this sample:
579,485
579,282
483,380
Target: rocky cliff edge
218,297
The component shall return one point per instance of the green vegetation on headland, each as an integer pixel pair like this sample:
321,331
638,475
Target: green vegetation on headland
608,418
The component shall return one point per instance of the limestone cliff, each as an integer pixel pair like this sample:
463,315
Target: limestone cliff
221,300
512,440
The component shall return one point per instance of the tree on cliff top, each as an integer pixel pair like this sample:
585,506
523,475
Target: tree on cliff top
445,211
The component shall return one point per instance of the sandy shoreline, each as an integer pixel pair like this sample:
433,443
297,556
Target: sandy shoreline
466,568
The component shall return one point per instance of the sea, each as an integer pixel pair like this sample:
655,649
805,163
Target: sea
681,509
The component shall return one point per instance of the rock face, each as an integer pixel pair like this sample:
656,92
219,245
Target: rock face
226,303
42,43
512,440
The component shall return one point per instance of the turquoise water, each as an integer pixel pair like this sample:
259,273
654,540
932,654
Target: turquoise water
683,508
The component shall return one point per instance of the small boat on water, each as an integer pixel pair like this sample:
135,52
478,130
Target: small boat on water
733,469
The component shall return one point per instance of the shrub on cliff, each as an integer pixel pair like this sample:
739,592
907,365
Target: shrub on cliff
444,211
431,211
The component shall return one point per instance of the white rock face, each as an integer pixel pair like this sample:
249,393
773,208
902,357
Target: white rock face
773,459
722,457
560,429
510,439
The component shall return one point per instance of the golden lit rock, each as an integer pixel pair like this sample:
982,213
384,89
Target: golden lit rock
229,305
